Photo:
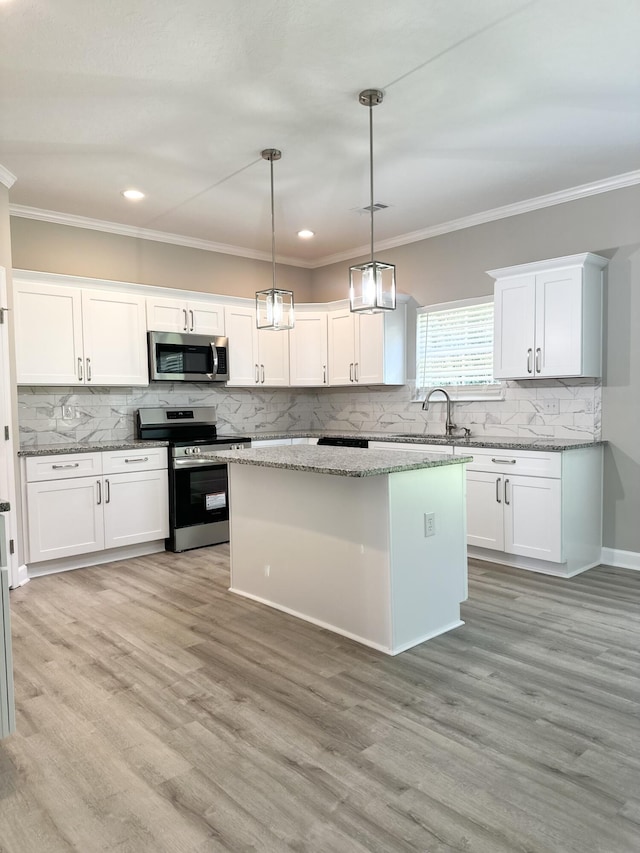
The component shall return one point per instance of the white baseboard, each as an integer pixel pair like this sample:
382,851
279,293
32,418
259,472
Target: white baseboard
23,575
95,558
621,559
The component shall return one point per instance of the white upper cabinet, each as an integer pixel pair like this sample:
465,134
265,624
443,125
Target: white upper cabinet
308,349
367,349
548,319
257,357
72,336
178,315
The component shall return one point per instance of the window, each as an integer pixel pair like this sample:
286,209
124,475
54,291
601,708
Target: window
454,349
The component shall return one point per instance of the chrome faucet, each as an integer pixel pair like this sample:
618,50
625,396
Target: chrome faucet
449,426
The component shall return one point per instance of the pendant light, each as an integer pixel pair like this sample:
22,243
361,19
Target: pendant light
372,286
274,307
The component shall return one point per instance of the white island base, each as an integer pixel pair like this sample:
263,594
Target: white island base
350,553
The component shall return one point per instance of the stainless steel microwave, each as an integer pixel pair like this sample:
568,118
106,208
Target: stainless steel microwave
175,357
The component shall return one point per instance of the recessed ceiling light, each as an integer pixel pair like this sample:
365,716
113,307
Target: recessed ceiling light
305,233
133,195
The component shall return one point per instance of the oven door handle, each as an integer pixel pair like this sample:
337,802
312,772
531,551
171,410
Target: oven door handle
181,464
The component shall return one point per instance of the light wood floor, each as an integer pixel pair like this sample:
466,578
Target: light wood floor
158,712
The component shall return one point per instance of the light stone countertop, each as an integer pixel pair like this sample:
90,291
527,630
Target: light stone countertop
342,461
87,447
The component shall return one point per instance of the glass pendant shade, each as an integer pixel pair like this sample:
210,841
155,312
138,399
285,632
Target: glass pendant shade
372,287
274,309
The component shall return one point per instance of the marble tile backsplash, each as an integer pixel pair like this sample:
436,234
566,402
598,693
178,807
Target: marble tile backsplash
547,408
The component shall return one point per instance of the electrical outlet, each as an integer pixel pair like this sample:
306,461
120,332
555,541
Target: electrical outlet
67,413
550,407
267,571
429,524
588,407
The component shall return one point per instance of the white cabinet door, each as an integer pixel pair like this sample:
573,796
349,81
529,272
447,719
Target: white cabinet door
48,332
485,496
532,517
167,315
341,339
273,351
558,344
136,508
205,318
369,349
65,518
240,323
308,349
514,322
115,345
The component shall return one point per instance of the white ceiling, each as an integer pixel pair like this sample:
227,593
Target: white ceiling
486,104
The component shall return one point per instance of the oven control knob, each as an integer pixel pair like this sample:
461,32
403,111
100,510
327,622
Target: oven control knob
196,450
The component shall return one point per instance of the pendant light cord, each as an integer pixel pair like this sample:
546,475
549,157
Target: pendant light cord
273,232
371,170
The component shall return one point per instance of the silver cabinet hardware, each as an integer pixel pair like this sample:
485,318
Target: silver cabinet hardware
192,322
324,374
138,459
88,369
257,373
538,359
529,354
80,370
506,494
351,372
262,373
356,371
68,465
498,482
504,461
107,487
99,492
186,325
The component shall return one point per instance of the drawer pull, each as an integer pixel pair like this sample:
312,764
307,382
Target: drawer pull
139,459
529,354
99,484
506,494
504,461
498,481
69,465
107,486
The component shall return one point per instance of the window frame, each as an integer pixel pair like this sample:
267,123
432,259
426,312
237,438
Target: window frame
461,393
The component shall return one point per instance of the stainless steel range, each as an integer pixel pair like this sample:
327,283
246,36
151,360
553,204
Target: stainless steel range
198,487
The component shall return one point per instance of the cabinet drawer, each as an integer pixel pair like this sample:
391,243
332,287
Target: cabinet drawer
63,467
503,460
143,459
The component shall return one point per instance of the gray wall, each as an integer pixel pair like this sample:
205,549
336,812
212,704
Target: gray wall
68,250
452,267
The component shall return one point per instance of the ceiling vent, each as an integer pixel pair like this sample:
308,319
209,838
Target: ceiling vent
375,207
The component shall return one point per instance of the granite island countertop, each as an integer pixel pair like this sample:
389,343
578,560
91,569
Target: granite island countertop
341,461
88,447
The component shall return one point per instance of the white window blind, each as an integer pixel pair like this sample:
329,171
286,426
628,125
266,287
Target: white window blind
454,345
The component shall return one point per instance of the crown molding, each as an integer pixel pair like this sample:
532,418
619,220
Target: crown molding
6,177
147,234
628,179
616,182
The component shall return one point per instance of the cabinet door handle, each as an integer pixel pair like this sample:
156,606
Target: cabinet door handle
324,374
107,488
185,325
138,459
88,370
504,461
498,482
99,492
69,465
529,354
257,373
538,360
192,322
356,372
351,372
262,373
80,375
506,493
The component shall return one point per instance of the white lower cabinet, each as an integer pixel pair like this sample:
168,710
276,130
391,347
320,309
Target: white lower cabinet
69,515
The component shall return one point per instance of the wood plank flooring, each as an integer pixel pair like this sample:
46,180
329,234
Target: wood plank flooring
157,712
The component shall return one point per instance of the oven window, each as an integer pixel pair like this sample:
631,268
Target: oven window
201,495
180,358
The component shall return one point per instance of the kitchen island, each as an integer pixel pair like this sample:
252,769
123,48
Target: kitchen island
370,544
